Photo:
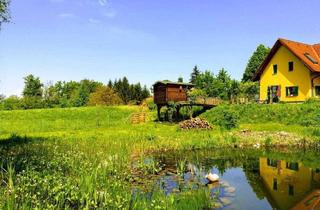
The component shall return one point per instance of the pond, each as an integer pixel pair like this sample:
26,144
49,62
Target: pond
248,179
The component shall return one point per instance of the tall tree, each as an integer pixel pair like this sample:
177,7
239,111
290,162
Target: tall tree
4,11
110,84
195,73
32,86
254,62
85,88
180,79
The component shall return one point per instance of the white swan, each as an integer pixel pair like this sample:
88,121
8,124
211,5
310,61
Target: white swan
212,177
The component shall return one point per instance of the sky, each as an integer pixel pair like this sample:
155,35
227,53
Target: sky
145,40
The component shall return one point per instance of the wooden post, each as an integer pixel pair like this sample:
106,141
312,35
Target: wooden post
159,108
178,113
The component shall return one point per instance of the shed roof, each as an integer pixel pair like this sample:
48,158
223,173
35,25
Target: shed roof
308,54
167,82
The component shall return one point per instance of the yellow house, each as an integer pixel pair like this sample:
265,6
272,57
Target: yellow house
290,73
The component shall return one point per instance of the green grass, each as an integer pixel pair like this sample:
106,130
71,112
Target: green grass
81,157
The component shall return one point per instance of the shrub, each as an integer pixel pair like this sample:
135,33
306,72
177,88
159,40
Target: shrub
224,116
11,103
150,103
104,96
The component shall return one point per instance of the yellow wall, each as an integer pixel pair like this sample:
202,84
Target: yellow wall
300,76
301,181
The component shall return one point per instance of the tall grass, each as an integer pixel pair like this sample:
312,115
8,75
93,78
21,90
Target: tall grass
78,158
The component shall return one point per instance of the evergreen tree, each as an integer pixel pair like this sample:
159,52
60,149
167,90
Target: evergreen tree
145,92
180,79
254,62
110,84
195,73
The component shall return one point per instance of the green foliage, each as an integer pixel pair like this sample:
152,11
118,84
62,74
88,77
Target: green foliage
195,93
249,90
150,103
180,79
104,96
224,116
10,103
86,87
215,86
268,142
4,11
254,62
129,92
289,114
71,94
195,73
32,86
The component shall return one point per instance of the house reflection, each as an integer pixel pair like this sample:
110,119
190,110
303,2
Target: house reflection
289,185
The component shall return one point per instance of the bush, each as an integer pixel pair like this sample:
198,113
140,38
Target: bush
11,103
150,103
224,116
104,96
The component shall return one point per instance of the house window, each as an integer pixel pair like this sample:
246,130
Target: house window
290,66
275,184
292,166
272,163
291,190
317,88
292,91
275,69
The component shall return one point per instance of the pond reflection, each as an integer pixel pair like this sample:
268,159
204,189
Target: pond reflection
248,179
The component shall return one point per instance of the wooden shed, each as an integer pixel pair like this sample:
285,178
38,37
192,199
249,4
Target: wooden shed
166,91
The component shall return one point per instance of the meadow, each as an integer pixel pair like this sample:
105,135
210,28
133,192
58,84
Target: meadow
83,157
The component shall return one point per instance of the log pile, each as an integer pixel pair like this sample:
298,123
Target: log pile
195,123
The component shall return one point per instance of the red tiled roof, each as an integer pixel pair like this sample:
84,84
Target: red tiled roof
299,50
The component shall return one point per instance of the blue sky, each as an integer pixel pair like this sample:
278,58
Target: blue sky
146,40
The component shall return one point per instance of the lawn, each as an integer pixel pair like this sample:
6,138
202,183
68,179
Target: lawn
82,157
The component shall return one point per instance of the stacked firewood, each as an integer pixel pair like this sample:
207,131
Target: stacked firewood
195,123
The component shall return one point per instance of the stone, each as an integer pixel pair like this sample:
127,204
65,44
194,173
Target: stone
225,184
225,201
229,194
230,189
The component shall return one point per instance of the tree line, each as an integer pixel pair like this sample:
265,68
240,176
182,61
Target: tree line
74,94
222,86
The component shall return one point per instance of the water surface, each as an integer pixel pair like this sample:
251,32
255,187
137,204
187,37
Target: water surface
249,179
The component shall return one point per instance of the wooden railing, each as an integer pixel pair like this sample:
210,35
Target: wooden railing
207,101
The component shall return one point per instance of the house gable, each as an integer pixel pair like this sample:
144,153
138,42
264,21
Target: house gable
309,55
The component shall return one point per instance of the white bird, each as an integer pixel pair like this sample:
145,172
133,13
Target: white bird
212,177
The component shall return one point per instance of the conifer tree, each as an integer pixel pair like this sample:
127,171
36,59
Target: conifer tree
195,73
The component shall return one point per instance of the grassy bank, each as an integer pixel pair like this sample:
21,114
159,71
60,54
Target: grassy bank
82,157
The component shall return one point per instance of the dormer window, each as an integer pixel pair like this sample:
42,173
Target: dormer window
290,65
311,58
